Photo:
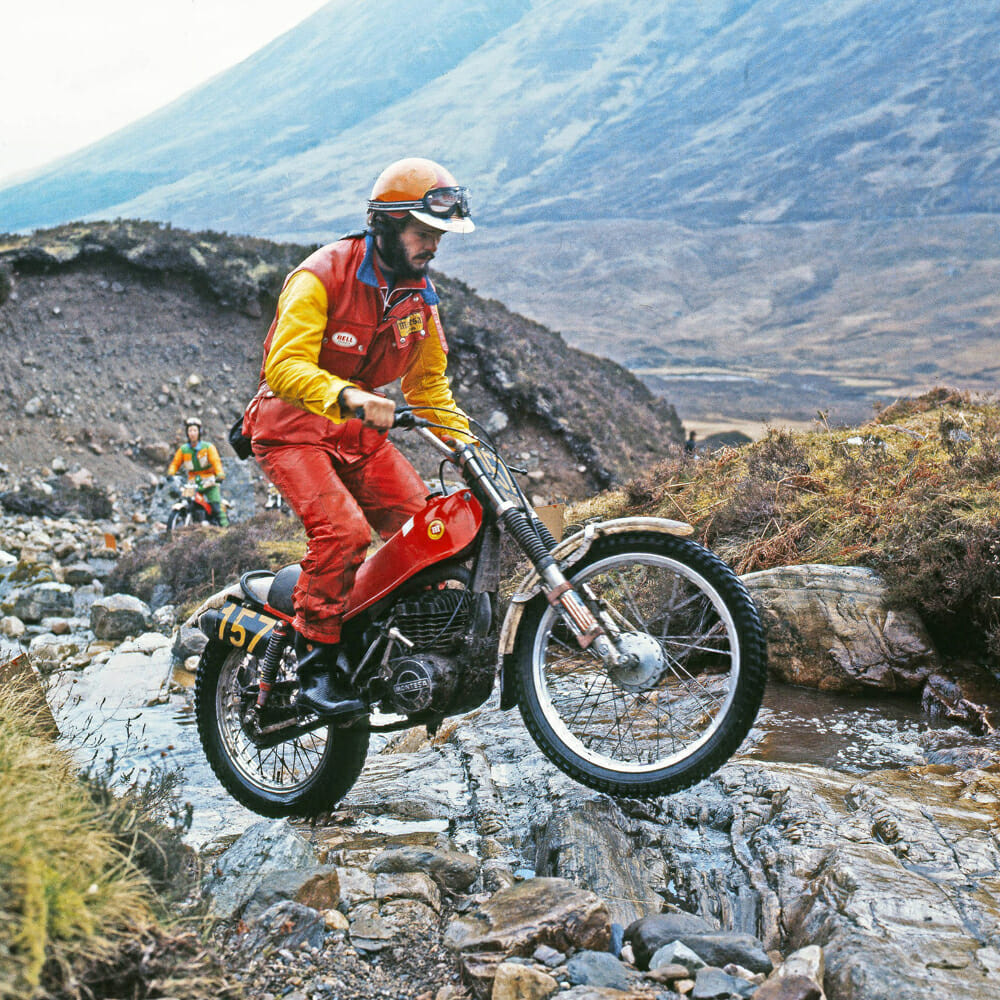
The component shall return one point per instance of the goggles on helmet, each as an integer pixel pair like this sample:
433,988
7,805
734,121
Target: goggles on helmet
442,203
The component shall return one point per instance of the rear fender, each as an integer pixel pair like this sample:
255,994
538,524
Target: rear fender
238,626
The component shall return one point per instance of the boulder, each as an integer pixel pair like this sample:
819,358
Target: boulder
649,934
286,925
831,628
453,870
119,616
597,968
548,911
42,600
521,982
265,848
516,920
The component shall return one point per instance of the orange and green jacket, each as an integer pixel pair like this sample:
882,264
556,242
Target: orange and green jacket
200,461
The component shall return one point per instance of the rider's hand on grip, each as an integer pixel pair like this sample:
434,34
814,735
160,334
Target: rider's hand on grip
373,411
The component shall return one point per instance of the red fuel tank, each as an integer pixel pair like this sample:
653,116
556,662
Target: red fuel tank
442,529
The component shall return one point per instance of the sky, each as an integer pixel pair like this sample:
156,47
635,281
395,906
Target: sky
73,71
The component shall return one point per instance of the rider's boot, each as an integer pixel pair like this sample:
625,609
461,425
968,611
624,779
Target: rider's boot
322,684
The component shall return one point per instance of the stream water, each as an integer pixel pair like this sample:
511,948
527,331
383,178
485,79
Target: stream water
121,711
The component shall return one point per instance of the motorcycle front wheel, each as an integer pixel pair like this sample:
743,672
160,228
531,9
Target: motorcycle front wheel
691,690
303,776
182,518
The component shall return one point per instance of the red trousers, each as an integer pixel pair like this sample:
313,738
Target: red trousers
340,493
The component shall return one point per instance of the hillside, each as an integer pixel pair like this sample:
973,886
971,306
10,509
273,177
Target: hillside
763,208
114,332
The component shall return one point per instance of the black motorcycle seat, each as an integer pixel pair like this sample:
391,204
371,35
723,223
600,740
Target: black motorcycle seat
280,594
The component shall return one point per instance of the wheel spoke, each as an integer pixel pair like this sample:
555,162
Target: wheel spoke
284,768
683,680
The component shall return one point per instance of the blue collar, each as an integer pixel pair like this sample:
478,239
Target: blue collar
369,274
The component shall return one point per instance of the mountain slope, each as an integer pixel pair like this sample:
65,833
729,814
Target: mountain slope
760,110
766,208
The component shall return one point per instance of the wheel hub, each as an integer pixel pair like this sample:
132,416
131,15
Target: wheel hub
642,662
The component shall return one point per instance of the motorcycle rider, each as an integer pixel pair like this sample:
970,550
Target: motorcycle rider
200,459
353,317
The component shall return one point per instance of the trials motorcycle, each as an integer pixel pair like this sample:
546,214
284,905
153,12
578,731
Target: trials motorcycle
635,655
191,507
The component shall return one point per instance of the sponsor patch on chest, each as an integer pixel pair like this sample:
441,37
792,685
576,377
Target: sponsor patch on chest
407,325
344,339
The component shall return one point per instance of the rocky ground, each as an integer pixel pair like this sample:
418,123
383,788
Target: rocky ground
114,332
466,863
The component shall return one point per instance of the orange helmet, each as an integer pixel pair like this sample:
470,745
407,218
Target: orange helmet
425,190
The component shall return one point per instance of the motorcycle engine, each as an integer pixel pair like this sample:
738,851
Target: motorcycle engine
437,623
421,682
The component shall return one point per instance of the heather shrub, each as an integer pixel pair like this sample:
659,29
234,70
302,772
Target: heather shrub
197,561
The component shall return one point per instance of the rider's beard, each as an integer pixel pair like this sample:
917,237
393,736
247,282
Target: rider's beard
393,254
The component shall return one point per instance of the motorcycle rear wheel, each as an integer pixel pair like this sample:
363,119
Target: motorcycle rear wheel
304,776
687,702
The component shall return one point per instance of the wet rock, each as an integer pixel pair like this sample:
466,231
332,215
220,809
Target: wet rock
668,973
408,885
285,925
724,948
591,845
830,627
789,988
41,600
963,758
597,968
548,956
48,650
521,982
516,920
714,984
267,847
799,977
317,888
188,642
675,953
889,870
649,934
453,870
119,616
539,911
964,694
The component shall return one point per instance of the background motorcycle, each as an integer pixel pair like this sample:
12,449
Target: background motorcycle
192,507
635,655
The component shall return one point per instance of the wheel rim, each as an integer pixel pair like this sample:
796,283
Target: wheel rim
679,690
284,769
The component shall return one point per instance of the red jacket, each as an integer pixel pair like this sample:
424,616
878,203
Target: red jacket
373,336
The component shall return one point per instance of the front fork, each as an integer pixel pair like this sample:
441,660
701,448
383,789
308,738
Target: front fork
589,632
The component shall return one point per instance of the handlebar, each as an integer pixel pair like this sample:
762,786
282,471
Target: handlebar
405,419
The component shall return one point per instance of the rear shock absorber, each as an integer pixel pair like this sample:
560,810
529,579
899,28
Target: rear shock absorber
276,644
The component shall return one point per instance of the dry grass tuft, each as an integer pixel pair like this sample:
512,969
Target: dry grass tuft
201,560
78,915
913,494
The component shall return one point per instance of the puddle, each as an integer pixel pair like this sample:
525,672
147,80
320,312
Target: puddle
852,734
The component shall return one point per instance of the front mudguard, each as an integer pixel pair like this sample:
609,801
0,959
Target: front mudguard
567,554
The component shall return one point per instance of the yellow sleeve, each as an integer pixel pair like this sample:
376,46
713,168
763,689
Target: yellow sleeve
292,368
175,463
215,462
425,383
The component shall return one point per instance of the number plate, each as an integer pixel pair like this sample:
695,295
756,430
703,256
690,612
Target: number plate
244,628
